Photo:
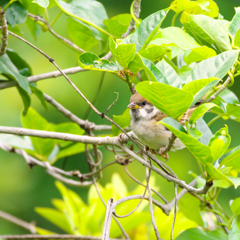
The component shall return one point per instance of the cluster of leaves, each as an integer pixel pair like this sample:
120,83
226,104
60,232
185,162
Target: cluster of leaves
74,216
178,66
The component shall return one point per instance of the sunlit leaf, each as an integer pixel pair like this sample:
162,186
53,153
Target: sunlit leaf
170,100
235,24
122,120
42,3
234,233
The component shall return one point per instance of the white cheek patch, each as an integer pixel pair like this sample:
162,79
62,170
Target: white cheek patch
142,112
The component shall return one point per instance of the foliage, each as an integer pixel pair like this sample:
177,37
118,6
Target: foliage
174,68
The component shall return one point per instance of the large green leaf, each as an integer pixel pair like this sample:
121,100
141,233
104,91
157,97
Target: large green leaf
16,13
55,217
232,158
81,34
169,74
7,68
122,120
92,61
118,24
170,100
190,207
234,233
198,234
235,23
200,152
219,143
42,147
90,11
23,67
213,31
235,206
123,53
177,36
25,98
181,5
198,54
38,93
200,111
205,130
217,66
42,3
154,52
146,30
216,174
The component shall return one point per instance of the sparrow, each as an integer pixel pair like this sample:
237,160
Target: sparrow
144,123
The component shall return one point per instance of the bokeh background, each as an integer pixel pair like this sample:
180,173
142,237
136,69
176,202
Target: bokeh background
22,189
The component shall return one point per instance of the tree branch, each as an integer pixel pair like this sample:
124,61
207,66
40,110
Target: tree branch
4,30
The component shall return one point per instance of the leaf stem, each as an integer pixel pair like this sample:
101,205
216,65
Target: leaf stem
8,4
174,18
46,13
132,14
56,18
215,118
83,20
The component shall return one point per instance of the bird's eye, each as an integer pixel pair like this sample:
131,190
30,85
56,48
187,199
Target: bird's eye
144,103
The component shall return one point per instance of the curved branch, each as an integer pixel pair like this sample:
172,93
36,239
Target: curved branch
4,30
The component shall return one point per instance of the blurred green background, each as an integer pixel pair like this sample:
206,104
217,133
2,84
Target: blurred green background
21,189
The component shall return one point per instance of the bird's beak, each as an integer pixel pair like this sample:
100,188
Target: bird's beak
133,105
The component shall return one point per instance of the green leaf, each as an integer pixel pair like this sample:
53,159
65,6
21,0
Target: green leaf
198,234
205,130
118,24
231,159
217,66
194,132
234,233
199,151
42,147
181,5
170,100
16,13
198,54
200,111
154,52
23,67
146,30
213,31
237,39
91,61
25,98
42,3
235,23
234,110
122,120
123,53
168,74
199,88
55,217
38,93
228,96
90,11
178,36
215,173
219,143
81,34
235,206
190,207
7,68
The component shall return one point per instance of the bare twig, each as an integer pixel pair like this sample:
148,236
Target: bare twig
29,226
4,30
112,103
152,189
107,222
64,40
136,10
59,236
170,144
148,174
116,220
175,210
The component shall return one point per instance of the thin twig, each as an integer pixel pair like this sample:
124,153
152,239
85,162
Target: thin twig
170,144
29,226
112,103
64,40
175,210
148,174
4,30
152,189
107,222
116,220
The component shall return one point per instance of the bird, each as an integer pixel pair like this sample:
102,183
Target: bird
144,123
